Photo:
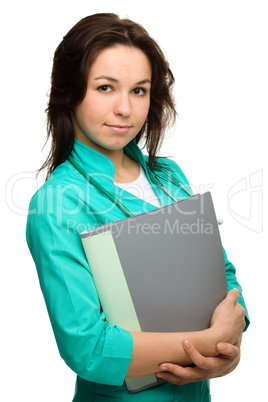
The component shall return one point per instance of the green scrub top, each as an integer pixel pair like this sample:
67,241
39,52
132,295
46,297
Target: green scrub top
60,210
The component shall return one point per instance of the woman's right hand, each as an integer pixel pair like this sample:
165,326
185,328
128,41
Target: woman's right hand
228,320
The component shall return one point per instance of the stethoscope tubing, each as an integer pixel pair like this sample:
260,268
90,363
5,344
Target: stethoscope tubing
114,199
99,186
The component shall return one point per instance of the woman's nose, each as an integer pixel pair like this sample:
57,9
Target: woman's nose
122,105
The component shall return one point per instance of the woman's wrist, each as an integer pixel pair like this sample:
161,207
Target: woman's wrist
152,349
219,334
209,338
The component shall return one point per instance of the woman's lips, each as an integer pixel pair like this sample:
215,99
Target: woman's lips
120,129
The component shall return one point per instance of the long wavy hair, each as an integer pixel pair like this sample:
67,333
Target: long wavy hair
71,64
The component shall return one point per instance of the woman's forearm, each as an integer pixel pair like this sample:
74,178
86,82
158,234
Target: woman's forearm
152,349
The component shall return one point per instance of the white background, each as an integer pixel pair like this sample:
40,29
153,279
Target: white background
217,51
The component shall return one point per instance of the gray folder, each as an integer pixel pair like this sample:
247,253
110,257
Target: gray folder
160,271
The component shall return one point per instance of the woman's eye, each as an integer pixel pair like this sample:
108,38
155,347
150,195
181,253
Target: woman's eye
105,88
139,91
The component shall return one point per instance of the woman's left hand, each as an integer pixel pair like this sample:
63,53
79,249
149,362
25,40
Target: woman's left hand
204,367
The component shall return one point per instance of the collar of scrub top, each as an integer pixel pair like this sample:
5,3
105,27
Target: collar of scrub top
137,156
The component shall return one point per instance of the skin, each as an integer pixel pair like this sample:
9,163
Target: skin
151,351
204,367
118,95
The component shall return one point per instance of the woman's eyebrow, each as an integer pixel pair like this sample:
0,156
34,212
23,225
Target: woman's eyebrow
106,77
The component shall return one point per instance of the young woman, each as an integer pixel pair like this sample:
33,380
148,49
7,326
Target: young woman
111,88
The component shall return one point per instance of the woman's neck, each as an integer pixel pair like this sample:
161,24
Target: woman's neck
126,169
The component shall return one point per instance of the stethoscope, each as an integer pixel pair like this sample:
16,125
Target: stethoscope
153,178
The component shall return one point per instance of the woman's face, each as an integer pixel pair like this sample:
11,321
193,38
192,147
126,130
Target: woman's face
117,100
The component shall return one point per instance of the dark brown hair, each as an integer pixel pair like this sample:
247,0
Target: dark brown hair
72,60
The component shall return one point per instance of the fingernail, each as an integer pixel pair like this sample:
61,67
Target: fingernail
221,347
159,375
164,368
237,291
186,343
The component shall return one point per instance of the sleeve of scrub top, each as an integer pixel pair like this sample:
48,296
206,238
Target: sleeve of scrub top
90,347
232,283
230,269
